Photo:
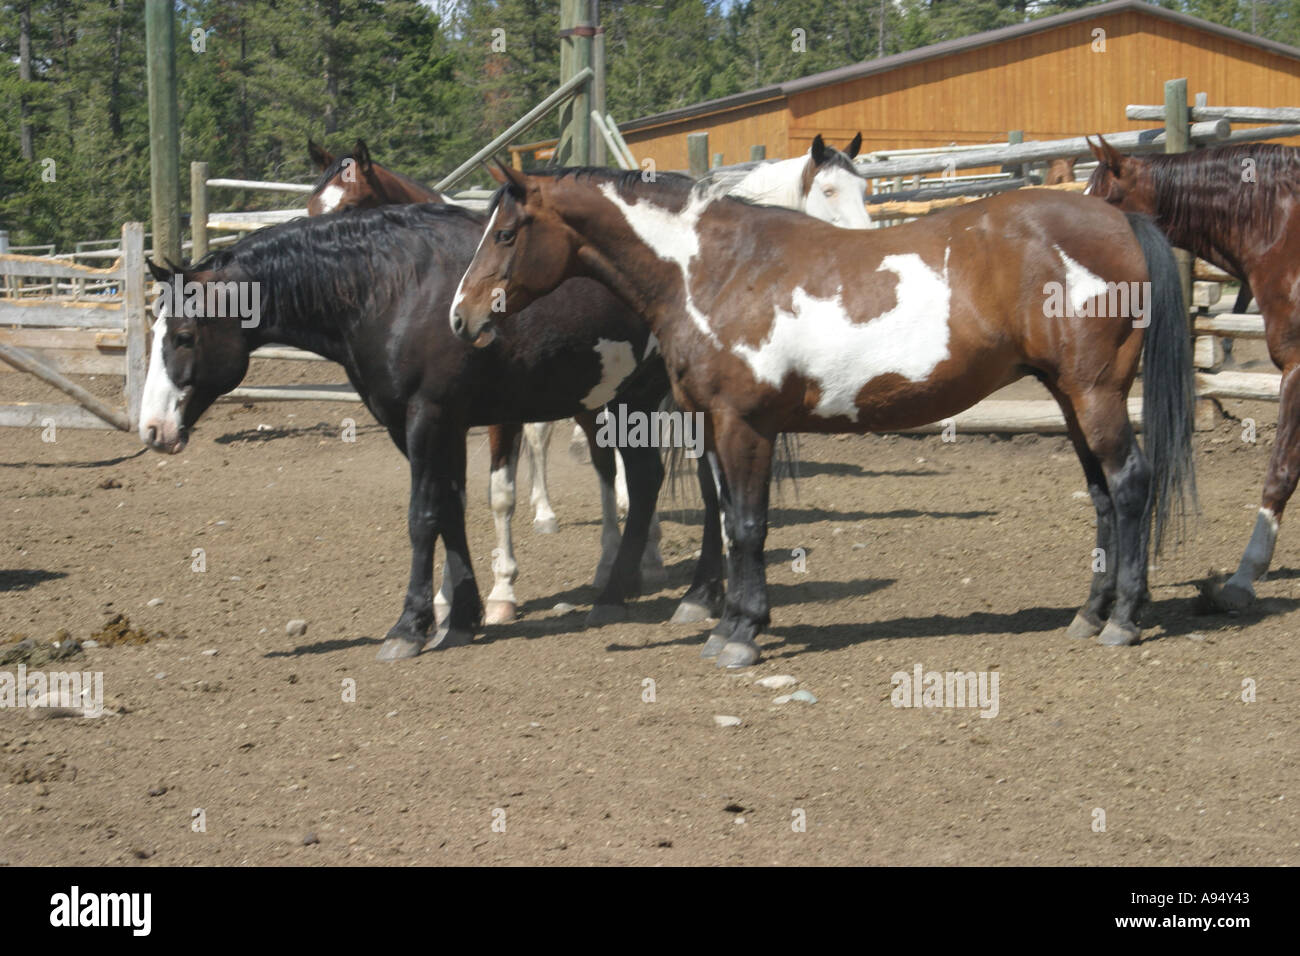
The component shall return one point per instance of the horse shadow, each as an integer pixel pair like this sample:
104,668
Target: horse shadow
24,579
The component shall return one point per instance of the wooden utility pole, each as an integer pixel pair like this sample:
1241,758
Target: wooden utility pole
164,129
1178,140
576,34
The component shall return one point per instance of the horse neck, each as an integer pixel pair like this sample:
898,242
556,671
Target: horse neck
321,335
639,252
400,189
774,184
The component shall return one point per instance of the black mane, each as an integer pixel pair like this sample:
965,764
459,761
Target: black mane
311,269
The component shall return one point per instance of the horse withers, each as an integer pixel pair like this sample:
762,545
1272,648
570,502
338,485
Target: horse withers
770,321
1239,208
370,290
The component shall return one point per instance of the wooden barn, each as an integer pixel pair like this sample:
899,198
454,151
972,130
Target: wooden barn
1060,76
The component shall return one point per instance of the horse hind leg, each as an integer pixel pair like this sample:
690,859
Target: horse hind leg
1238,592
538,435
1103,422
1091,618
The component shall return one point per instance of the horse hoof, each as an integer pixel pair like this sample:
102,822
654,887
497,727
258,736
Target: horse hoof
1235,597
653,579
1083,627
446,637
713,646
601,614
1119,635
499,612
738,654
545,525
689,612
399,649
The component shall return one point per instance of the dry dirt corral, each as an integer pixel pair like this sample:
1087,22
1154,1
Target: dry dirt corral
971,556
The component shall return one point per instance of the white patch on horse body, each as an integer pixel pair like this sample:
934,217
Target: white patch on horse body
651,346
820,341
1080,284
330,197
160,405
617,361
672,236
460,286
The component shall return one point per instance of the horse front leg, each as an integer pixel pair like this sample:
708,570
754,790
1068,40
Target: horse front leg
1238,592
504,446
745,455
538,436
436,501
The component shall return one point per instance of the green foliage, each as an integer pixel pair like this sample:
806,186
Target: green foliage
424,82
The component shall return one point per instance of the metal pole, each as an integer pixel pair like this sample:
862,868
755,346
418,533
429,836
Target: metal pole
521,125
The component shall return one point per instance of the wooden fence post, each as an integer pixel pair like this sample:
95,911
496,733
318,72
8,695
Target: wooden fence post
164,128
198,211
134,318
697,153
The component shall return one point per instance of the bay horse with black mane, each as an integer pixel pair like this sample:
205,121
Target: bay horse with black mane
1239,208
354,181
370,289
770,321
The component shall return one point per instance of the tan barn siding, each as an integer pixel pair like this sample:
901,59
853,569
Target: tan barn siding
1050,85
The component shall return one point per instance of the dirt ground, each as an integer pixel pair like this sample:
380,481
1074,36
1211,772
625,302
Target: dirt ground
536,744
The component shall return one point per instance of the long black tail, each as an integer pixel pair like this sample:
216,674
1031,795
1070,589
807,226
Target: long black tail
1168,385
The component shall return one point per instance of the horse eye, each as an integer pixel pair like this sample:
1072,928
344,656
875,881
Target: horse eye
829,191
505,235
184,340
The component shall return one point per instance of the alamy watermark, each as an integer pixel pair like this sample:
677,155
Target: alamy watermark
946,689
1094,299
58,690
212,300
620,428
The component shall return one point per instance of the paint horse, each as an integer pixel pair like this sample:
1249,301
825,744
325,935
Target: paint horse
824,184
370,290
1239,208
770,321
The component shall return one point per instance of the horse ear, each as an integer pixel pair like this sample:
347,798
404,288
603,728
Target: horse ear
818,151
509,176
1106,154
852,149
361,153
319,155
159,273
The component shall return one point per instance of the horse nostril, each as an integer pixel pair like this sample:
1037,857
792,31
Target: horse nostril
153,435
457,324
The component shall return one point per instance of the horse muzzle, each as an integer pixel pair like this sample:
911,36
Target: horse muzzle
476,334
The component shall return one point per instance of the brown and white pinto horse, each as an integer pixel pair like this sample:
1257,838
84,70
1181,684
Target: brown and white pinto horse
1239,208
770,321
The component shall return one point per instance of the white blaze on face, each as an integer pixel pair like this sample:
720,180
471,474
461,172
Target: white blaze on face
672,237
160,406
330,197
617,362
838,196
460,286
1080,284
819,341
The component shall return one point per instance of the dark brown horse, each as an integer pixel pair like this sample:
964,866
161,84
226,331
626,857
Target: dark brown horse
1239,208
370,289
354,181
770,321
